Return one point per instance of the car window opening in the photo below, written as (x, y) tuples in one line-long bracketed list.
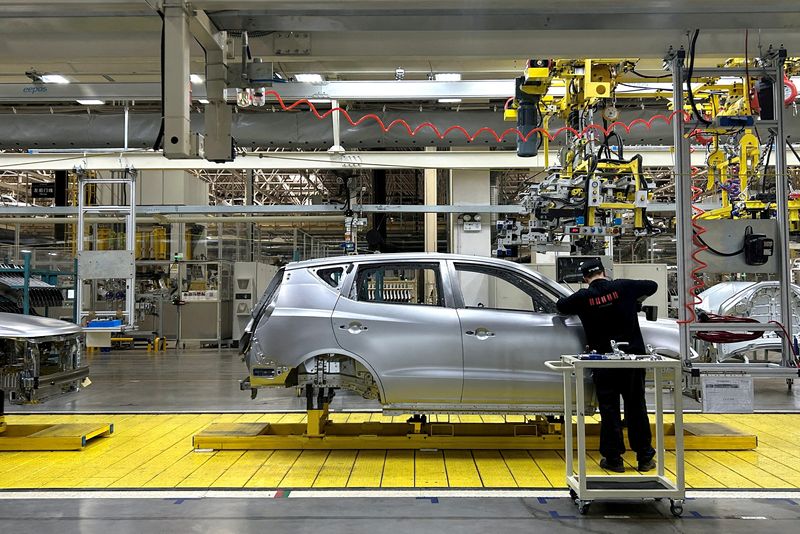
[(418, 284), (498, 289)]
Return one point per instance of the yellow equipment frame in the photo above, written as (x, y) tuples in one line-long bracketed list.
[(319, 432)]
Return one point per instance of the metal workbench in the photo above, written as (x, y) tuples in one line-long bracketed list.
[(585, 488)]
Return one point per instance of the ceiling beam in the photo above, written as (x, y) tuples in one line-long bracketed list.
[(451, 159)]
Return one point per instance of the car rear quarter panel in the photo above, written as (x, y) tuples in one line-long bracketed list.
[(300, 325)]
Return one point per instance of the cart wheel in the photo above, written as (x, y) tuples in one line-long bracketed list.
[(583, 507), (676, 508), (572, 495), (789, 383)]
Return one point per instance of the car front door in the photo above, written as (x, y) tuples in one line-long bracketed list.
[(510, 327), (399, 317)]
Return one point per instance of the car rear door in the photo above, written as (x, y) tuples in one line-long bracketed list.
[(399, 317), (509, 328)]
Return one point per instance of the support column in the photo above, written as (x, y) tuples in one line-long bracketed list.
[(683, 211), (60, 230), (430, 199), (177, 43), (470, 187), (249, 185), (379, 220), (782, 201)]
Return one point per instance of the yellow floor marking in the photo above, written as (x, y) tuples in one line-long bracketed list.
[(470, 418), (175, 474), (149, 450), (461, 469), (273, 470), (717, 470), (210, 471), (552, 465), (398, 471), (237, 475), (770, 466), (305, 470), (429, 470), (336, 469), (290, 418), (493, 469), (524, 470), (367, 469), (359, 417)]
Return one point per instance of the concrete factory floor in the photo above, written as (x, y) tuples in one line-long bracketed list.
[(409, 514), (147, 477)]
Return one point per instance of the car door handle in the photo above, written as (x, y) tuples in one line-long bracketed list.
[(354, 327), (480, 333)]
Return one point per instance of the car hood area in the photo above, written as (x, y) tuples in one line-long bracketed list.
[(28, 327)]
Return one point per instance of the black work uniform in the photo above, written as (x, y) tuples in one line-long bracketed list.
[(608, 311)]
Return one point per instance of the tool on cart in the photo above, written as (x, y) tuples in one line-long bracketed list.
[(584, 488)]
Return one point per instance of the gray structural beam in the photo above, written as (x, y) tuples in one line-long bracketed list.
[(286, 160), (338, 90), (264, 129)]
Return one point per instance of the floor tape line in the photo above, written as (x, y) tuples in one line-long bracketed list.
[(365, 493)]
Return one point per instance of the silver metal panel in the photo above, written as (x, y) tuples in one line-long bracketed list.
[(28, 326), (416, 349), (415, 352), (93, 264)]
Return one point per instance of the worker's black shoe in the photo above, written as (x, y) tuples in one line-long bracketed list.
[(646, 465), (616, 465)]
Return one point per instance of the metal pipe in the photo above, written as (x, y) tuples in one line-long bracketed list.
[(26, 288), (683, 200), (782, 194), (125, 138), (263, 220)]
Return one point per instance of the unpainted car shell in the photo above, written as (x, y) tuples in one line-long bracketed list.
[(24, 340), (757, 300), (419, 358)]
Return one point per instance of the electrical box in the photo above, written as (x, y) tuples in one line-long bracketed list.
[(738, 246)]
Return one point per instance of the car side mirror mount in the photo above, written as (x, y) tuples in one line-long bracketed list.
[(650, 312)]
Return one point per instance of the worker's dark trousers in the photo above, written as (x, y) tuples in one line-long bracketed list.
[(610, 385)]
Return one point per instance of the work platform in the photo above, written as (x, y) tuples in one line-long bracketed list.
[(157, 451), (451, 436), (52, 437)]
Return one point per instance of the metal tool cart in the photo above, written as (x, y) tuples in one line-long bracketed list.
[(584, 489)]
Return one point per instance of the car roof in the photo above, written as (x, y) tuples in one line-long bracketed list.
[(394, 256), (425, 256)]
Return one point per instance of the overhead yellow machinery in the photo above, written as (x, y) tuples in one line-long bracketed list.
[(593, 191)]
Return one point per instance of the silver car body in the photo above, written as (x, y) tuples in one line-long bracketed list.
[(449, 357), (40, 358), (756, 300)]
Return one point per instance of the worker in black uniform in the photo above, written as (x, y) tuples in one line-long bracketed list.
[(608, 311)]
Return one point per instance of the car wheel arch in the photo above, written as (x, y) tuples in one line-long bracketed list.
[(346, 354)]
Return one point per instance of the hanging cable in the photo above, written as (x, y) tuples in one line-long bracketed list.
[(498, 137), (726, 337), (689, 73), (160, 136)]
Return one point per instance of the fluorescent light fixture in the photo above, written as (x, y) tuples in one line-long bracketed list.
[(195, 78), (308, 77), (447, 76), (54, 78), (91, 102), (203, 100), (449, 100)]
